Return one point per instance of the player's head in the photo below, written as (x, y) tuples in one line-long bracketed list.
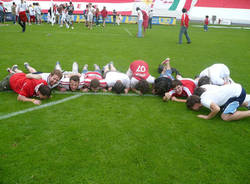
[(74, 82), (54, 77), (142, 86), (207, 16), (198, 91), (94, 85), (118, 87), (44, 92), (137, 8), (184, 10), (177, 86), (194, 102), (163, 86), (204, 80)]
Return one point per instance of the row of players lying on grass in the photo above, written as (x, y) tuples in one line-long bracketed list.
[(138, 80)]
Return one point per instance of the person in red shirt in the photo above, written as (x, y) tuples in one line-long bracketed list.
[(104, 14), (180, 88), (145, 20), (184, 26), (26, 88), (206, 24)]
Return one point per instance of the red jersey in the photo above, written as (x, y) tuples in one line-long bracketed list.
[(139, 69), (104, 13), (206, 21), (24, 86), (188, 89), (94, 75), (184, 20)]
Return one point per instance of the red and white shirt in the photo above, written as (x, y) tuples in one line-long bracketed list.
[(65, 83), (188, 88), (89, 76), (24, 86)]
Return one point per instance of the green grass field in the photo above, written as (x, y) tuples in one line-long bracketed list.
[(101, 139)]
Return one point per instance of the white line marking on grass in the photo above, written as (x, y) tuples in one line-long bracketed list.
[(39, 107), (130, 34), (100, 93)]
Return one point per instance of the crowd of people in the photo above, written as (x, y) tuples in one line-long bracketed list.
[(212, 88)]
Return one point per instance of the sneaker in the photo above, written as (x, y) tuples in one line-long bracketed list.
[(72, 27), (96, 67), (26, 64), (14, 67), (58, 66), (165, 61), (75, 67)]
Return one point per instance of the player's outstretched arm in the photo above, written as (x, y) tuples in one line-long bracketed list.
[(178, 99), (214, 110), (25, 99)]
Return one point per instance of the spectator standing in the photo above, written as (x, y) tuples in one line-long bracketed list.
[(145, 20), (22, 19), (13, 12), (1, 13), (104, 15), (97, 16), (139, 21), (150, 17), (70, 14), (114, 17), (184, 26), (206, 24)]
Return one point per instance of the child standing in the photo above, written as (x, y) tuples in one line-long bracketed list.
[(206, 24)]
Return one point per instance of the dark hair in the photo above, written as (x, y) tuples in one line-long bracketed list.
[(118, 87), (176, 82), (203, 80), (198, 91), (94, 83), (191, 100), (207, 16), (137, 8), (57, 72), (75, 78), (160, 68), (163, 86), (184, 10), (45, 90), (142, 86)]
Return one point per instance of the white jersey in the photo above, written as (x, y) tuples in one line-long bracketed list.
[(22, 7), (219, 74), (45, 76), (140, 16), (31, 10), (134, 81), (38, 10), (112, 77), (219, 94), (65, 83)]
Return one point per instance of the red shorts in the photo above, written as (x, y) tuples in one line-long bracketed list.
[(22, 16)]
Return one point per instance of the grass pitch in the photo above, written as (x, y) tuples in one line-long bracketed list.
[(97, 139)]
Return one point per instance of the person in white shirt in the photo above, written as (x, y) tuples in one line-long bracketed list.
[(117, 82), (90, 15), (52, 78), (226, 98), (38, 13), (150, 17), (72, 80), (219, 74), (32, 14), (21, 11), (140, 20)]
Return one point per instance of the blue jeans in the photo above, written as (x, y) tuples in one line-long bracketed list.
[(139, 34), (168, 74), (85, 71), (183, 31), (205, 27), (150, 23), (14, 18)]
